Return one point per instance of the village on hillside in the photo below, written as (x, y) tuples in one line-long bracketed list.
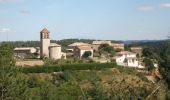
[(84, 50), (101, 51)]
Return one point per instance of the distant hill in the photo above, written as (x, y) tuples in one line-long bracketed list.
[(140, 41)]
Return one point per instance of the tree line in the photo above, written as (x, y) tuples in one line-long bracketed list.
[(63, 42)]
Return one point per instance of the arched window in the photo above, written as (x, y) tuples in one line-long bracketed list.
[(47, 35)]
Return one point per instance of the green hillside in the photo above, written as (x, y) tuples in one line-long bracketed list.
[(105, 84)]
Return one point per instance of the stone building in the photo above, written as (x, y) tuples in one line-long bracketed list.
[(75, 44), (137, 50), (80, 50), (96, 44), (55, 51), (118, 46), (126, 58), (26, 52), (47, 49), (45, 43)]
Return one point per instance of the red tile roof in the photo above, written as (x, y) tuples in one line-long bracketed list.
[(45, 30), (84, 47)]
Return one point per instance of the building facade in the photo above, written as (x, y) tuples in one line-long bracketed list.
[(126, 58), (80, 50), (137, 50), (45, 43), (26, 52), (73, 45), (118, 46), (96, 44), (47, 49)]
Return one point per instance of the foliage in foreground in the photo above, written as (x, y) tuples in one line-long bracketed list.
[(94, 85), (12, 85)]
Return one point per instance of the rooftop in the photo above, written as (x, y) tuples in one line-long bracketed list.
[(125, 52), (45, 30), (24, 48), (117, 44), (134, 48), (101, 42), (84, 47), (79, 44), (54, 45)]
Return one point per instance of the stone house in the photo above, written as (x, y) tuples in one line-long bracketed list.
[(118, 46), (96, 44), (126, 58), (73, 45), (23, 52), (137, 50), (80, 50)]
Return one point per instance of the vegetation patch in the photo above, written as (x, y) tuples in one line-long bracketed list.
[(64, 67)]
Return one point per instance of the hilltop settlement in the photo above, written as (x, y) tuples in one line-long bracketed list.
[(101, 51), (94, 69)]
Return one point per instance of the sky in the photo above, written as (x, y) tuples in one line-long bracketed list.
[(85, 19)]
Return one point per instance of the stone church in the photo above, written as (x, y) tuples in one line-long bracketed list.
[(48, 49)]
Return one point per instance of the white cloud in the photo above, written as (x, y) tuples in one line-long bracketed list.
[(5, 30), (165, 5), (146, 8)]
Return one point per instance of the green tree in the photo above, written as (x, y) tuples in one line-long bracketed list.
[(106, 48), (147, 52), (127, 48), (148, 64), (165, 65), (12, 85), (87, 54), (97, 93)]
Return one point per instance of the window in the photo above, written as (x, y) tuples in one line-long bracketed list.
[(47, 35)]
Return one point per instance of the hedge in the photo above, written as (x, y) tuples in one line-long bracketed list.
[(63, 67)]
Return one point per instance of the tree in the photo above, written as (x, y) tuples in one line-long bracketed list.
[(87, 54), (106, 48), (12, 84), (165, 65), (97, 93), (147, 52), (148, 64), (127, 48)]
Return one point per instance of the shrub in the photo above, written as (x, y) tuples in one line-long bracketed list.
[(63, 67), (87, 54), (32, 82)]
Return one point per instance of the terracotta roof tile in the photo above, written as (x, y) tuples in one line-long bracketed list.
[(84, 47), (45, 30)]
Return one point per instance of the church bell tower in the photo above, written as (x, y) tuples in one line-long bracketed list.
[(45, 43)]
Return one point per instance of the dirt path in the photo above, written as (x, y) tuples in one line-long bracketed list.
[(29, 63)]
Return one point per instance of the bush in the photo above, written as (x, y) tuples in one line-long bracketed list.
[(63, 67), (106, 48), (142, 76), (87, 54), (32, 82)]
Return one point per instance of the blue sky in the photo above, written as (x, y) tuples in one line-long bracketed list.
[(92, 19)]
